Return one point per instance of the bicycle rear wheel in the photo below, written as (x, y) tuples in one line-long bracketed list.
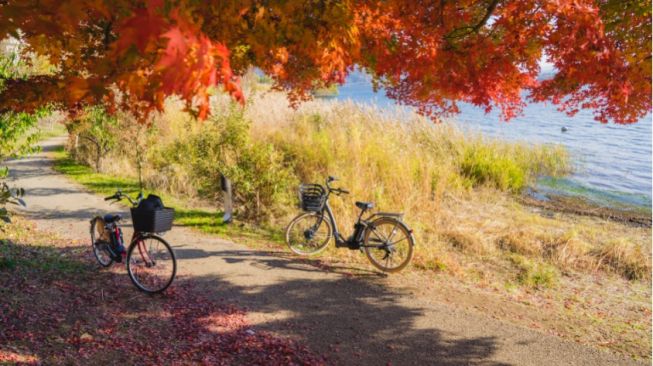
[(151, 264), (308, 233), (100, 247), (388, 244)]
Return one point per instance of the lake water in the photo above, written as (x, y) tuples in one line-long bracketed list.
[(612, 163)]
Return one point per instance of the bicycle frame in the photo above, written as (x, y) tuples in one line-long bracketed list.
[(334, 225), (137, 237), (359, 227)]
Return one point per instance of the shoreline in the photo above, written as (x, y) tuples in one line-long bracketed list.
[(580, 206)]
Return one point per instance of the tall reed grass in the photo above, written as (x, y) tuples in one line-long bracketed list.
[(455, 186)]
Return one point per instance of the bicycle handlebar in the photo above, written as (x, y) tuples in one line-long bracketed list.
[(114, 197), (335, 190), (119, 196)]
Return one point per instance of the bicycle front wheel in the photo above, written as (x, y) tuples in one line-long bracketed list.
[(151, 264), (388, 244), (308, 233)]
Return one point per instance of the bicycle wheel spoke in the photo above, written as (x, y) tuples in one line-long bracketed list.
[(308, 234), (389, 255), (399, 241), (151, 265), (392, 233), (376, 232)]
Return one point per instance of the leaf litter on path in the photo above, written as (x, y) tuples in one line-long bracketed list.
[(51, 315)]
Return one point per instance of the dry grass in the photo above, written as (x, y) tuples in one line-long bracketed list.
[(625, 257)]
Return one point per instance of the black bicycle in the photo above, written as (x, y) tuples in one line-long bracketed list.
[(151, 263), (383, 236)]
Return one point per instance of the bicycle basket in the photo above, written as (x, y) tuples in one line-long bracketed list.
[(152, 221), (312, 197)]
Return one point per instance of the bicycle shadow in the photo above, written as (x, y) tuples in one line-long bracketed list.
[(352, 316), (354, 322), (275, 259)]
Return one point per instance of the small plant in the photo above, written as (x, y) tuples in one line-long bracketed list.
[(9, 196), (534, 274), (7, 262)]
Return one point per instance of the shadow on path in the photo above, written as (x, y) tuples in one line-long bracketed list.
[(354, 322), (276, 259), (356, 319)]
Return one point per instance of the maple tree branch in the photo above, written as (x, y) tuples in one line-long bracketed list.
[(107, 30), (464, 31), (442, 3), (488, 14)]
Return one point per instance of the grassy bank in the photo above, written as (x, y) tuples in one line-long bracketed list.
[(460, 192)]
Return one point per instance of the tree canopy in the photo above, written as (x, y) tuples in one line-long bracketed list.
[(428, 54)]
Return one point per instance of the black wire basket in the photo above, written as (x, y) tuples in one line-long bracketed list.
[(152, 221), (312, 197)]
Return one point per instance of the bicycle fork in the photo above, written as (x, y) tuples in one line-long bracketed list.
[(142, 250)]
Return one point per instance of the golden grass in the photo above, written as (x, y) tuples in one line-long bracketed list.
[(456, 188)]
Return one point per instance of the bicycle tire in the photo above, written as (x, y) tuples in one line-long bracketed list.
[(370, 251), (97, 251), (290, 236), (132, 264)]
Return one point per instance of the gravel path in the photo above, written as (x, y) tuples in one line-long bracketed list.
[(358, 320)]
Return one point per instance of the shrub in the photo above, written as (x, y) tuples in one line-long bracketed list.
[(95, 134), (511, 167), (261, 179), (484, 165)]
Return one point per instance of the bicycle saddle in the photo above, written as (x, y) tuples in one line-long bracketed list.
[(109, 218), (364, 205)]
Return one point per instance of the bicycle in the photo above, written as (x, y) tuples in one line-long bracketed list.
[(309, 233), (150, 261)]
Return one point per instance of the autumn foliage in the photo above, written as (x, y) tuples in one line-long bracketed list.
[(428, 54)]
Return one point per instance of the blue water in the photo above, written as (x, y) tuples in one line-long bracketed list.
[(612, 163)]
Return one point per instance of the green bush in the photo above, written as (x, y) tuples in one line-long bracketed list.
[(18, 133), (95, 133), (260, 177), (484, 165), (510, 167)]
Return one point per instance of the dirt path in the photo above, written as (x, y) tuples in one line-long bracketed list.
[(362, 320)]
